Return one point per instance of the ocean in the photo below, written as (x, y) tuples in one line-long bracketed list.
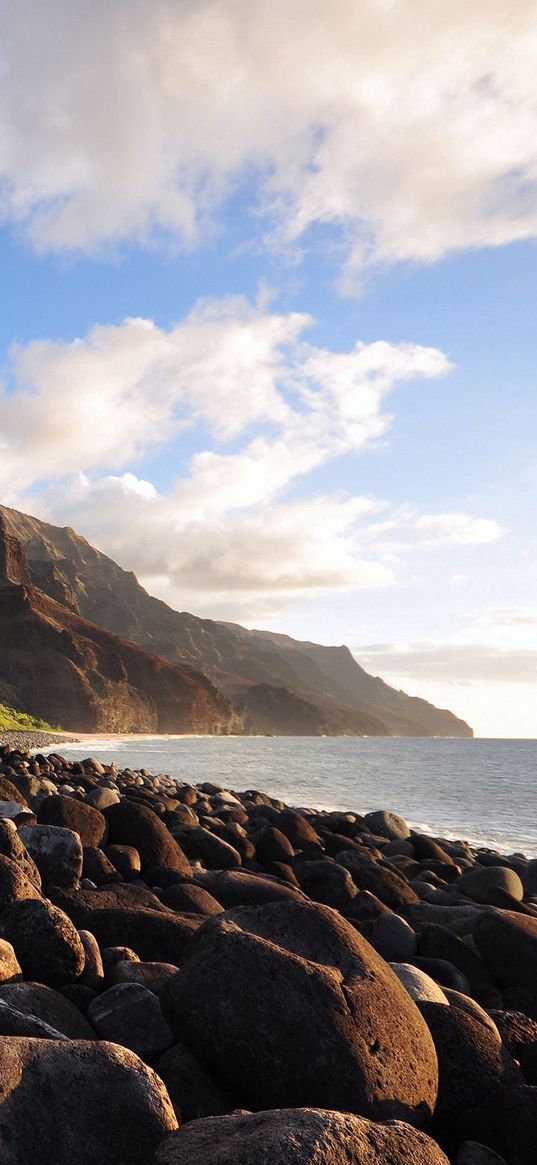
[(482, 790)]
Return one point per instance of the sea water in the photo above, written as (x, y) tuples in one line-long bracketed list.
[(481, 790)]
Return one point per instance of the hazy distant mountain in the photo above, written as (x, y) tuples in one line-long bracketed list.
[(275, 683)]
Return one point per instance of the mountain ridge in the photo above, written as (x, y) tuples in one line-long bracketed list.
[(326, 688)]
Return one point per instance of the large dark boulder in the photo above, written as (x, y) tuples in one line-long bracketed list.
[(49, 1006), (89, 823), (436, 942), (472, 1063), (300, 1136), (155, 936), (240, 888), (190, 899), (137, 826), (129, 1014), (326, 882), (81, 905), (481, 883), (83, 1101), (215, 853), (48, 947), (507, 943), (193, 1091), (289, 1005), (382, 881)]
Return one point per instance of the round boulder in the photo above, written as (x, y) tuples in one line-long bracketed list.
[(79, 1100), (356, 1041), (46, 944), (300, 1136)]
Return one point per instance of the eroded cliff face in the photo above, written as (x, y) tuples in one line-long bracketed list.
[(327, 690), (71, 672)]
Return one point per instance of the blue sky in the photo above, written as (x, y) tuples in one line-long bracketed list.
[(269, 319)]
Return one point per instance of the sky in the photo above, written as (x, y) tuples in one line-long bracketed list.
[(268, 327)]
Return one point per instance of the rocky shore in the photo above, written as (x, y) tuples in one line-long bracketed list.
[(193, 975)]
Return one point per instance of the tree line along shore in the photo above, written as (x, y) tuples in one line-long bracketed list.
[(194, 975)]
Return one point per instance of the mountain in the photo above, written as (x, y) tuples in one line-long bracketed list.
[(275, 683), (69, 671)]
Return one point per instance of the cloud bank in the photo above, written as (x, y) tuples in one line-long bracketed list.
[(408, 126)]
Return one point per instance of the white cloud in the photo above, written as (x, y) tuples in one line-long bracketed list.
[(264, 409), (410, 126), (456, 529)]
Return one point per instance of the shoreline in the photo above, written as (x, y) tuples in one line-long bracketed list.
[(345, 923)]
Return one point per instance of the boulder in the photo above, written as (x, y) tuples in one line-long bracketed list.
[(55, 1100), (11, 846), (385, 883), (15, 886), (240, 888), (9, 965), (129, 1014), (46, 943), (213, 851), (190, 899), (348, 1036), (393, 938), (419, 985), (517, 1030), (154, 936), (470, 1153), (150, 975), (135, 825), (436, 942), (19, 1023), (326, 882), (387, 824), (300, 1136), (49, 1006), (57, 853), (192, 1090), (507, 943), (474, 1009), (481, 882), (78, 816), (98, 867), (505, 1122), (125, 859), (472, 1064)]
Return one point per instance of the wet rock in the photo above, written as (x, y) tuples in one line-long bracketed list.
[(301, 1136), (57, 853), (46, 943), (356, 1041), (57, 1095), (129, 1014)]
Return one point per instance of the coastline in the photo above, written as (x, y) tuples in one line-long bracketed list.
[(345, 923)]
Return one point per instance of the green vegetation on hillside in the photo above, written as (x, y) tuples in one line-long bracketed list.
[(12, 721)]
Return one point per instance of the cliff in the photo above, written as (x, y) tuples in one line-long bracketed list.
[(327, 690), (69, 671)]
